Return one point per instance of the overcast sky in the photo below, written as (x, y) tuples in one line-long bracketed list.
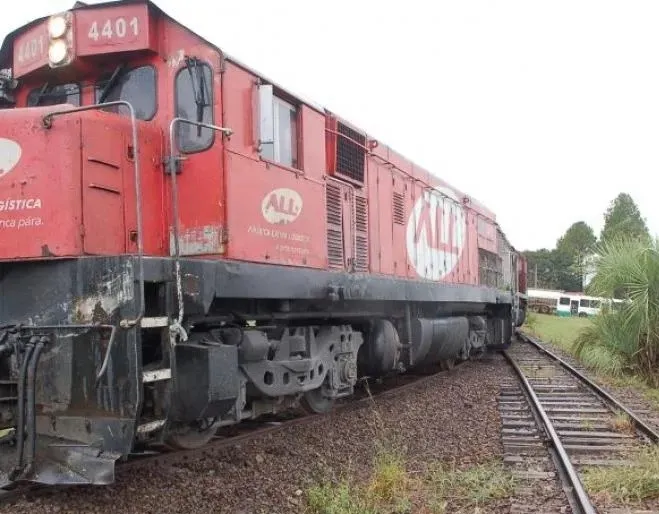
[(543, 111)]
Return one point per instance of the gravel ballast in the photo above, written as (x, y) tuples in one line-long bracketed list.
[(452, 416)]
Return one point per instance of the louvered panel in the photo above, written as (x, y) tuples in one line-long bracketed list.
[(361, 213), (399, 208), (361, 234), (335, 255)]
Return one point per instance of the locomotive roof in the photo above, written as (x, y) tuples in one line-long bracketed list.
[(6, 57)]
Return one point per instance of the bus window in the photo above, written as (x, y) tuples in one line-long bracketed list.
[(564, 300), (584, 303)]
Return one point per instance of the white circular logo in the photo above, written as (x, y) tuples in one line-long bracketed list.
[(281, 206), (10, 154), (436, 233)]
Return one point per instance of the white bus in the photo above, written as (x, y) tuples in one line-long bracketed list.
[(562, 303), (544, 301)]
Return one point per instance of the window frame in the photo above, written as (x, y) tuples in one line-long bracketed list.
[(211, 106), (155, 90), (76, 83), (279, 98)]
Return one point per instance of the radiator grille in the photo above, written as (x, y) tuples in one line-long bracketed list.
[(350, 157), (334, 226), (361, 234), (399, 208)]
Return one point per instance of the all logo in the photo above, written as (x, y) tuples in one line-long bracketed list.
[(281, 206), (10, 154), (436, 233)]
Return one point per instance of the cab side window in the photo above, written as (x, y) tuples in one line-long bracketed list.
[(194, 102), (277, 127), (137, 86), (54, 95)]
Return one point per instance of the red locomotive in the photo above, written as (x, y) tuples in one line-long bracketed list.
[(185, 244)]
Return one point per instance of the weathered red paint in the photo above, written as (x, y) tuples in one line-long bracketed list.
[(233, 204), (123, 28), (79, 200), (31, 50)]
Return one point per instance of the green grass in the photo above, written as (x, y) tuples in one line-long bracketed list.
[(630, 484), (472, 488), (561, 332), (392, 489), (388, 490)]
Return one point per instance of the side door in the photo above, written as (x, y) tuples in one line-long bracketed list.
[(104, 163), (574, 307), (197, 80)]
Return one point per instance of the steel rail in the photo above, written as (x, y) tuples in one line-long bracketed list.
[(582, 500), (641, 426)]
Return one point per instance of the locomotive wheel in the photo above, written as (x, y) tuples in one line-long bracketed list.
[(190, 437), (315, 403), (446, 364)]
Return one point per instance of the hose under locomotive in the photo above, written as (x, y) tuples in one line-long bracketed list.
[(21, 458)]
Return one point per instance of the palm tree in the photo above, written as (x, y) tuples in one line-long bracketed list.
[(625, 339)]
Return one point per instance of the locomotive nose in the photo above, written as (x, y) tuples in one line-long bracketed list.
[(39, 186)]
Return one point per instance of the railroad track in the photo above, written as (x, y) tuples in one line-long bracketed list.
[(240, 433), (556, 421)]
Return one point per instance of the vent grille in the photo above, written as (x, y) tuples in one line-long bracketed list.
[(399, 208), (361, 234), (350, 157), (334, 226), (490, 268)]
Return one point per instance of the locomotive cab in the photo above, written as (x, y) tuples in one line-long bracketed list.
[(87, 105)]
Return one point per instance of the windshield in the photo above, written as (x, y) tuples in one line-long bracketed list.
[(137, 86), (54, 95)]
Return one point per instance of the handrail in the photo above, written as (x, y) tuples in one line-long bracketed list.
[(47, 122), (171, 165)]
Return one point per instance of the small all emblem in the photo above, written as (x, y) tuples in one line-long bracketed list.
[(282, 205), (10, 154)]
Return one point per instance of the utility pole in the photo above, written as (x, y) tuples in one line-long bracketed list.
[(536, 276)]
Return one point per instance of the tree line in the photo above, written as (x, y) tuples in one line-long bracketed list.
[(565, 266)]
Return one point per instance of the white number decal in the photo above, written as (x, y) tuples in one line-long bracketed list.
[(135, 26), (93, 32), (31, 49), (120, 29), (107, 29)]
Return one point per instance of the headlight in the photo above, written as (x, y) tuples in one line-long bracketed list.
[(57, 26), (60, 35), (57, 51)]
